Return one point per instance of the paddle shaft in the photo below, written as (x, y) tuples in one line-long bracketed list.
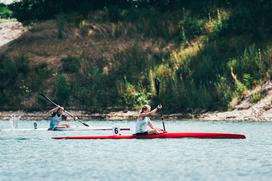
[(70, 114)]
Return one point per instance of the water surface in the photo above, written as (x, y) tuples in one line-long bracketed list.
[(33, 155)]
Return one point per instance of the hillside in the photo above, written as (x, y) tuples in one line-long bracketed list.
[(206, 57)]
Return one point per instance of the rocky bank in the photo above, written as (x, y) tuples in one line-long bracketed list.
[(245, 110)]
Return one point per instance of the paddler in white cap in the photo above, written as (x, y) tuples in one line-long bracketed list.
[(144, 121)]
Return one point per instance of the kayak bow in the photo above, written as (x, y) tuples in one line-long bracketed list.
[(161, 136)]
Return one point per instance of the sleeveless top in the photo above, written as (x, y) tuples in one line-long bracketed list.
[(55, 120), (141, 125)]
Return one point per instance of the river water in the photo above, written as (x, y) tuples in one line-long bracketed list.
[(33, 155)]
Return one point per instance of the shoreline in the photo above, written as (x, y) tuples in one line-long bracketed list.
[(245, 110), (235, 115), (111, 116)]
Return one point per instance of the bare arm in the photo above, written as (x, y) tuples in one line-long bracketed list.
[(70, 118), (151, 113), (54, 109), (151, 125)]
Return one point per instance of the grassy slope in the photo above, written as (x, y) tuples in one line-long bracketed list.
[(196, 54)]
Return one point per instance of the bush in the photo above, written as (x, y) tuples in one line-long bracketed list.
[(61, 22), (256, 97), (40, 75), (71, 64), (134, 98), (41, 102), (269, 72), (62, 90), (251, 66), (8, 72), (22, 64), (193, 26), (5, 12), (224, 91)]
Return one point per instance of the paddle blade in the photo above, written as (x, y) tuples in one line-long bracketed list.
[(157, 86), (85, 124), (163, 126), (43, 95)]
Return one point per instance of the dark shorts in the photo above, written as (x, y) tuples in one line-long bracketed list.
[(53, 129), (141, 134)]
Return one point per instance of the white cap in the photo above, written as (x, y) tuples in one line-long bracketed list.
[(147, 106)]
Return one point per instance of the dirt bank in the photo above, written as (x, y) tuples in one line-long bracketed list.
[(9, 31)]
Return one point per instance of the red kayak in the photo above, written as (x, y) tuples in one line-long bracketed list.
[(162, 136)]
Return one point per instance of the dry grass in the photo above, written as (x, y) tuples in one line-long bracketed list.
[(41, 43)]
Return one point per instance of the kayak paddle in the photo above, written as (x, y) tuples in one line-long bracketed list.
[(70, 114), (157, 88)]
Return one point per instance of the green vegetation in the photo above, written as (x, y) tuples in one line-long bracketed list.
[(62, 90), (206, 53), (5, 12), (70, 64), (7, 72), (256, 97)]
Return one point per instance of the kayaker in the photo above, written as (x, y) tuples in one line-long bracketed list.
[(143, 121), (57, 115)]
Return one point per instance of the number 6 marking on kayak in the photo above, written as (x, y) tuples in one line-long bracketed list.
[(116, 130)]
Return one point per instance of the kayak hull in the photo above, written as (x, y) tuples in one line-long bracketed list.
[(89, 128), (67, 129), (160, 136)]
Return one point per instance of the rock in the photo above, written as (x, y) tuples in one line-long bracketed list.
[(10, 30), (244, 105)]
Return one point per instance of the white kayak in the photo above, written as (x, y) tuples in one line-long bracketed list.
[(14, 127), (79, 128)]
